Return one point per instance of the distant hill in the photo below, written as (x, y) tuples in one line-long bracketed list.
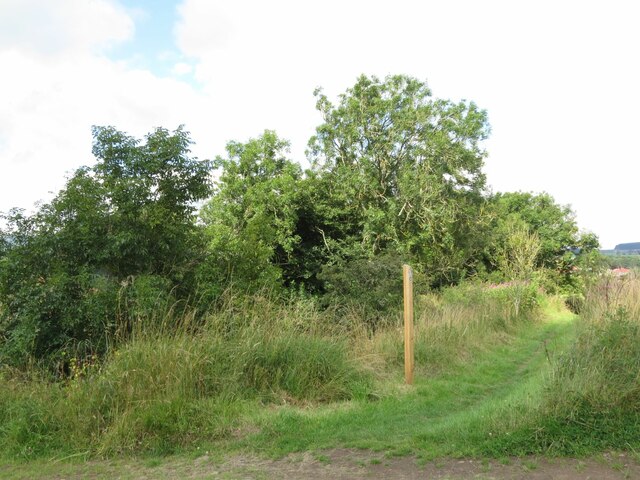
[(628, 246), (623, 249)]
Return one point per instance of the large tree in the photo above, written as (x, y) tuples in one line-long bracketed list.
[(130, 216), (554, 224), (253, 215), (401, 170)]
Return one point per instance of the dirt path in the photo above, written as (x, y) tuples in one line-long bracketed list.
[(348, 464), (353, 464)]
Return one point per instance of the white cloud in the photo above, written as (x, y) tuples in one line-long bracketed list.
[(182, 68), (558, 78), (49, 104), (62, 26)]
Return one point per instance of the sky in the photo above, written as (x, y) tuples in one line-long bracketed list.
[(559, 79)]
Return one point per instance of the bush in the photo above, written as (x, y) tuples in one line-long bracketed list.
[(129, 215), (47, 315), (372, 285), (574, 303), (79, 316)]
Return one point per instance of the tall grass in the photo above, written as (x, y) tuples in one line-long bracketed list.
[(592, 398), (452, 324), (165, 389), (173, 382)]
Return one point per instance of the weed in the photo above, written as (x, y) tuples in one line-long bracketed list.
[(322, 458)]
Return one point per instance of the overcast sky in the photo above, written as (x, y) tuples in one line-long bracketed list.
[(559, 79)]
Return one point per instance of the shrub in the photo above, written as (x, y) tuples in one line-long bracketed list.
[(575, 303), (373, 285)]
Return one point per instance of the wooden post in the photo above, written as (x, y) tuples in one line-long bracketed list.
[(407, 280)]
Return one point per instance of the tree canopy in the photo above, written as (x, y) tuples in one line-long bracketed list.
[(395, 176), (129, 215), (401, 170), (554, 224), (252, 218)]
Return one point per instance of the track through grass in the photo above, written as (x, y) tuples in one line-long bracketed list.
[(455, 413)]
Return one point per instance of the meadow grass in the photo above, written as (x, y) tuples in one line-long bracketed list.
[(453, 324), (164, 390), (274, 379), (454, 412), (591, 400)]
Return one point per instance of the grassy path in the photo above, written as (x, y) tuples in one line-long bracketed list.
[(451, 414)]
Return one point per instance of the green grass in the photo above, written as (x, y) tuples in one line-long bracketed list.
[(163, 392), (591, 402), (273, 379), (454, 412), (171, 389), (451, 414)]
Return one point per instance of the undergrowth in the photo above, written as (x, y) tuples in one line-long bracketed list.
[(172, 384), (162, 390)]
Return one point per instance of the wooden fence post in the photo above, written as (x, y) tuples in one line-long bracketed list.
[(407, 280)]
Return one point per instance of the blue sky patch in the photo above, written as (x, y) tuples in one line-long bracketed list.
[(153, 46)]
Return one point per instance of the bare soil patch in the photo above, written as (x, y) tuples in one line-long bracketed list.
[(343, 464), (355, 464)]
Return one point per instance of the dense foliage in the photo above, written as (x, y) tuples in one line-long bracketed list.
[(401, 171), (554, 224), (118, 239), (396, 176), (622, 261)]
